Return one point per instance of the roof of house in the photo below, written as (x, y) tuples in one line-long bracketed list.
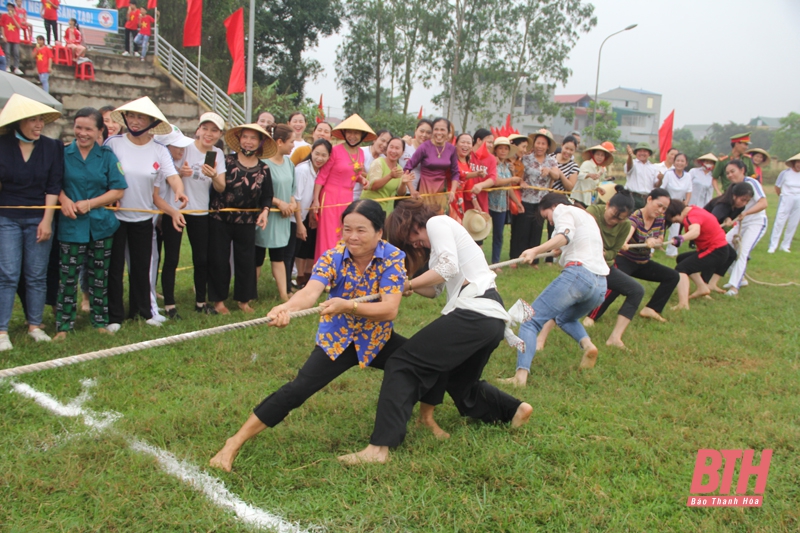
[(772, 122), (569, 98), (640, 91)]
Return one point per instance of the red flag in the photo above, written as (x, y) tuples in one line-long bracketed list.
[(234, 27), (123, 3), (321, 113), (193, 27), (665, 136), (419, 116), (152, 4)]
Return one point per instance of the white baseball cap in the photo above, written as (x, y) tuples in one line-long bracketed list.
[(175, 138), (215, 119)]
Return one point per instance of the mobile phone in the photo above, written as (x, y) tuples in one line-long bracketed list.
[(211, 158)]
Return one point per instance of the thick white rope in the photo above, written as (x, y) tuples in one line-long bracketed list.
[(174, 339)]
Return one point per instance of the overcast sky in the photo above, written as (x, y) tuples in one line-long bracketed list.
[(713, 61)]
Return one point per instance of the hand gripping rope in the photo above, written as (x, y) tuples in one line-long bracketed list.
[(174, 339)]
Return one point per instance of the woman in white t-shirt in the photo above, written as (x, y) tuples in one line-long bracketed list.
[(305, 176), (678, 183), (197, 178), (788, 189), (141, 159), (579, 288)]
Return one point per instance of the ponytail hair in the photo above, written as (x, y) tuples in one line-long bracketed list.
[(622, 201), (280, 132)]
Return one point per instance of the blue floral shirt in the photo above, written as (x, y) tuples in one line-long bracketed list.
[(386, 274)]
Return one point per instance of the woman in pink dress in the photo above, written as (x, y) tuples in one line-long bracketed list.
[(333, 188)]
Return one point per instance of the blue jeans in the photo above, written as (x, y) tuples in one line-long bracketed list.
[(572, 295), (45, 79), (143, 41), (498, 225), (21, 254)]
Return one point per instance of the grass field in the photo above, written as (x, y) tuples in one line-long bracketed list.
[(611, 449)]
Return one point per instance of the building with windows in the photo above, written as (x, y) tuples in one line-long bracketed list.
[(638, 114)]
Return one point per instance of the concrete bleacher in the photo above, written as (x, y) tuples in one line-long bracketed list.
[(118, 80)]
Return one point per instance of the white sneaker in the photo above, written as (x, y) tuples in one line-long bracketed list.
[(727, 286), (159, 318), (771, 251), (113, 328), (18, 72), (5, 342), (39, 335), (788, 251), (125, 53), (744, 283), (732, 292), (152, 322), (136, 54)]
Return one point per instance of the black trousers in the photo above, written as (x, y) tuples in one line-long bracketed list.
[(717, 262), (459, 343), (130, 35), (138, 237), (197, 229), (526, 230), (620, 282), (318, 371), (667, 279), (243, 237), (51, 25)]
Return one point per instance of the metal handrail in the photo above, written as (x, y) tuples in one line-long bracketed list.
[(197, 83)]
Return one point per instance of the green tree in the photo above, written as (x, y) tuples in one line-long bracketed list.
[(684, 141), (786, 142), (606, 128), (721, 135)]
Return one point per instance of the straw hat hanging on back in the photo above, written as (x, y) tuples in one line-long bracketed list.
[(477, 224), (354, 122), (268, 147), (21, 107), (144, 106)]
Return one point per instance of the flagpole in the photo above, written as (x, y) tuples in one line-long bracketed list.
[(199, 53), (248, 97)]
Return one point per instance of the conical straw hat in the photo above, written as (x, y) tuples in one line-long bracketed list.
[(477, 224), (752, 151), (19, 107), (708, 157), (587, 154), (795, 157), (268, 147), (354, 122), (145, 106)]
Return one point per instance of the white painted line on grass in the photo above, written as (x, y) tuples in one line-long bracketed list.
[(213, 488)]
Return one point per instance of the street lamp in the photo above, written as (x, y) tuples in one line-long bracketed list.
[(597, 80)]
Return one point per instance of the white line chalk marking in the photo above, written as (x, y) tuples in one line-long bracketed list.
[(213, 488)]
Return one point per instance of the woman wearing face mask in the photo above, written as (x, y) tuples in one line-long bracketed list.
[(246, 184), (297, 123), (385, 177), (92, 180), (333, 190), (702, 181), (435, 158), (31, 174), (540, 170), (145, 163), (678, 183), (752, 224), (593, 170), (372, 153), (282, 227), (306, 174)]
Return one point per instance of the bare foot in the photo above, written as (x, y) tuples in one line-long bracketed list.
[(245, 307), (588, 322), (498, 270), (540, 344), (516, 381), (535, 267), (699, 294), (85, 305), (589, 358), (60, 336), (616, 342), (680, 307), (431, 424), (225, 457), (650, 313), (524, 412), (714, 288), (220, 308), (370, 454), (104, 331), (513, 267)]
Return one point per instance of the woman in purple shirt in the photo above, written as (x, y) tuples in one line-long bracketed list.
[(438, 161)]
